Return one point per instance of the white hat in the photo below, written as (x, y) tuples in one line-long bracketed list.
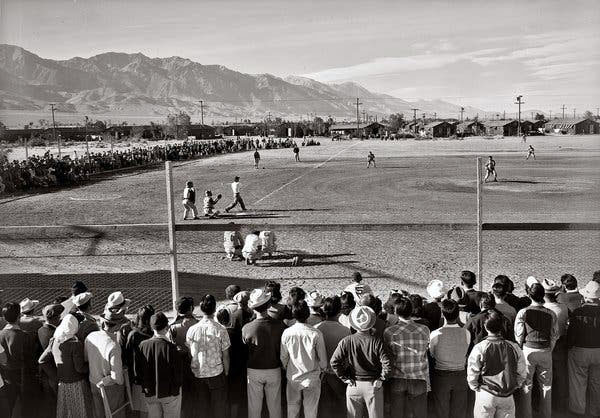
[(591, 290), (117, 300), (242, 296), (362, 318), (314, 299), (550, 286), (435, 289), (28, 305), (531, 281), (258, 297), (67, 329), (82, 298)]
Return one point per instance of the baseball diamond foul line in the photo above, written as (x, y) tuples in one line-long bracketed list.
[(304, 174)]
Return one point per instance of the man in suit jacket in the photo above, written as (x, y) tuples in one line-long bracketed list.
[(159, 370), (12, 341), (468, 281)]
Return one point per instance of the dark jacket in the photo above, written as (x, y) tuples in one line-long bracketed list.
[(584, 327), (45, 333), (536, 327), (134, 339), (12, 341), (478, 332), (473, 299), (70, 361), (158, 368), (361, 357), (433, 313)]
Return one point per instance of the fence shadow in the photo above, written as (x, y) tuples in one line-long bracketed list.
[(153, 287)]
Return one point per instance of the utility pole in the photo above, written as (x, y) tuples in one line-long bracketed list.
[(504, 115), (358, 103), (550, 115), (202, 112), (434, 115), (87, 145), (574, 113), (598, 112), (54, 130), (462, 111), (563, 109), (415, 118), (519, 102)]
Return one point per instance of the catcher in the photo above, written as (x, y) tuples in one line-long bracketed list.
[(209, 204)]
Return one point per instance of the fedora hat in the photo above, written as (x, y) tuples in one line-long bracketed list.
[(550, 286), (82, 298), (116, 300), (591, 290), (258, 297), (314, 299), (242, 296), (112, 315), (457, 294), (531, 280), (28, 305), (362, 318), (435, 289)]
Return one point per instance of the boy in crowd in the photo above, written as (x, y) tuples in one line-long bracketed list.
[(496, 369)]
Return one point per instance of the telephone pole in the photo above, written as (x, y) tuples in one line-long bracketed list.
[(87, 145), (202, 112), (563, 109), (574, 113), (550, 116), (434, 115), (519, 102), (462, 111), (358, 103), (415, 118), (54, 129)]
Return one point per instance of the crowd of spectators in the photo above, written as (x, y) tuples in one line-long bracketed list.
[(458, 353), (49, 170)]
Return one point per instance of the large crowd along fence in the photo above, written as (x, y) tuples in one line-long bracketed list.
[(157, 262)]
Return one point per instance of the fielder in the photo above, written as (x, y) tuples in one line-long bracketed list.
[(256, 158), (371, 160), (530, 152), (209, 204), (296, 153), (237, 197), (490, 168), (233, 243), (189, 201)]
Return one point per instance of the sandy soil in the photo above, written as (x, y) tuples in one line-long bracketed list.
[(415, 181)]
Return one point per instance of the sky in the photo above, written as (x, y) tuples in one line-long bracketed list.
[(473, 53)]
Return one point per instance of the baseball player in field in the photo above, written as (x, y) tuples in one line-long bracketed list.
[(490, 168), (209, 204), (237, 197), (530, 152), (189, 201)]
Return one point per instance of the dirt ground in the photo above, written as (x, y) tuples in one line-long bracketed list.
[(414, 182)]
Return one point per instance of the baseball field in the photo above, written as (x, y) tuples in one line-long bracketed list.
[(414, 182)]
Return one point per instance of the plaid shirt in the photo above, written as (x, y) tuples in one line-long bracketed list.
[(407, 342)]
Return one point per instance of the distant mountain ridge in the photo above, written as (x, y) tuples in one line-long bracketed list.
[(120, 83)]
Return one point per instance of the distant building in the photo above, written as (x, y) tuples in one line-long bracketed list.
[(470, 128), (366, 129), (440, 129), (573, 126), (201, 131), (526, 126), (501, 127)]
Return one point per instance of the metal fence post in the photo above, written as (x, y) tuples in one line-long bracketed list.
[(172, 241), (479, 230)]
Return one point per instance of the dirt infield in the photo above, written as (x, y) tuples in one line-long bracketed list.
[(415, 181)]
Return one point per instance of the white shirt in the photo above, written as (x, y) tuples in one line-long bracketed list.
[(251, 244), (235, 187), (358, 290), (104, 357), (303, 353), (207, 340)]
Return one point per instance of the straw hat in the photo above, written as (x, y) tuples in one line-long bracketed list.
[(550, 286), (591, 290), (435, 289), (362, 318), (314, 299), (258, 297), (28, 305), (82, 298)]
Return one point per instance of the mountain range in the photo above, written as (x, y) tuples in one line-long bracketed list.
[(133, 84)]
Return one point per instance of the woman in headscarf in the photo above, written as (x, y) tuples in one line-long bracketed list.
[(141, 332), (74, 396)]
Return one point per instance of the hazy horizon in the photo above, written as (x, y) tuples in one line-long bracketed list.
[(469, 53)]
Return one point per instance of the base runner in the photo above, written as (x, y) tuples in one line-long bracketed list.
[(530, 152), (490, 168)]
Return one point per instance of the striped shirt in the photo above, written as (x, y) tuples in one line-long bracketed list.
[(407, 342)]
